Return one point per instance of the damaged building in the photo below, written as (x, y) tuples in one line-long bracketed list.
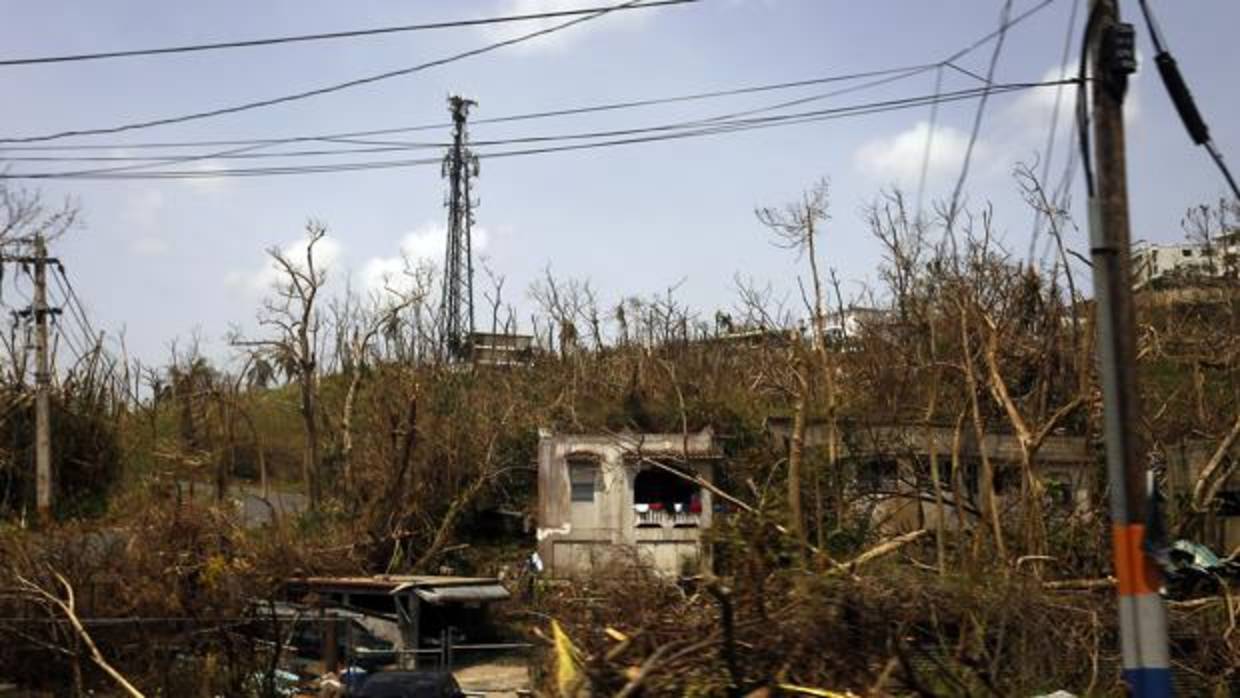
[(889, 467), (417, 614), (604, 497)]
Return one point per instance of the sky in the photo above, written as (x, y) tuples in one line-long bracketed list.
[(160, 260)]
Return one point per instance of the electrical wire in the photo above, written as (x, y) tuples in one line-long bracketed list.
[(352, 136), (1048, 154), (60, 304), (925, 155), (643, 135), (571, 111), (270, 41), (1182, 98), (74, 304), (75, 351), (979, 114), (1082, 98), (336, 87), (15, 144)]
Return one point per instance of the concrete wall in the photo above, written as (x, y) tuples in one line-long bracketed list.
[(576, 537), (1066, 459)]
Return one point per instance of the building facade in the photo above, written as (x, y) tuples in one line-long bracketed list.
[(1152, 263), (608, 498)]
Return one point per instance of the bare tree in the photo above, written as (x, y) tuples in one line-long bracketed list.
[(357, 330), (293, 319), (796, 227)]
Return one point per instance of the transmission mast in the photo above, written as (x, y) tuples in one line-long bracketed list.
[(460, 166)]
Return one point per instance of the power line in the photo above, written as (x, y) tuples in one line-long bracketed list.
[(887, 76), (925, 156), (75, 304), (643, 135), (978, 115), (69, 339), (1054, 128), (571, 111), (70, 343), (247, 43), (15, 144), (1082, 98), (397, 146), (246, 106), (1182, 98)]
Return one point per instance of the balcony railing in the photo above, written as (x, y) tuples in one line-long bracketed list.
[(662, 518)]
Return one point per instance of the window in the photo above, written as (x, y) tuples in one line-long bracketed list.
[(1229, 503), (582, 476), (1186, 252), (661, 497)]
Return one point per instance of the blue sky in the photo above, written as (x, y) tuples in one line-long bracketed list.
[(162, 259)]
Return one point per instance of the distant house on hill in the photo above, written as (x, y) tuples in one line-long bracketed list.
[(1152, 264), (609, 497)]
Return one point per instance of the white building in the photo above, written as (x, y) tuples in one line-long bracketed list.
[(1190, 260)]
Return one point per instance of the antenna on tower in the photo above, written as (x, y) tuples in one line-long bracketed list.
[(460, 166)]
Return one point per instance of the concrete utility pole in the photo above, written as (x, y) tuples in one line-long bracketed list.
[(42, 387), (459, 166), (39, 312), (1142, 617)]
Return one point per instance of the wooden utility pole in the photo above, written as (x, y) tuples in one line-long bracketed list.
[(1143, 623)]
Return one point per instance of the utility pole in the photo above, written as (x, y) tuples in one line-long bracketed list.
[(460, 165), (42, 387), (39, 312), (1142, 617)]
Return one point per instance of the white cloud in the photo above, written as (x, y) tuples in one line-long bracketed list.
[(205, 183), (1014, 130), (898, 159), (426, 244), (620, 19), (327, 252)]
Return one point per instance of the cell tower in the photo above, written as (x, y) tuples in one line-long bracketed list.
[(460, 166)]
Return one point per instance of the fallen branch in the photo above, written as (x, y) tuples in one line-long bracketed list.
[(885, 548), (66, 607), (1209, 481), (1080, 584), (648, 666)]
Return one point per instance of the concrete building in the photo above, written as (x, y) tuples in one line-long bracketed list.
[(609, 497), (1152, 263), (889, 465)]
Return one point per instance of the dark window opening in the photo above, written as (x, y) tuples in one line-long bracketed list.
[(1007, 479), (878, 475), (656, 489), (1059, 491), (1229, 503)]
